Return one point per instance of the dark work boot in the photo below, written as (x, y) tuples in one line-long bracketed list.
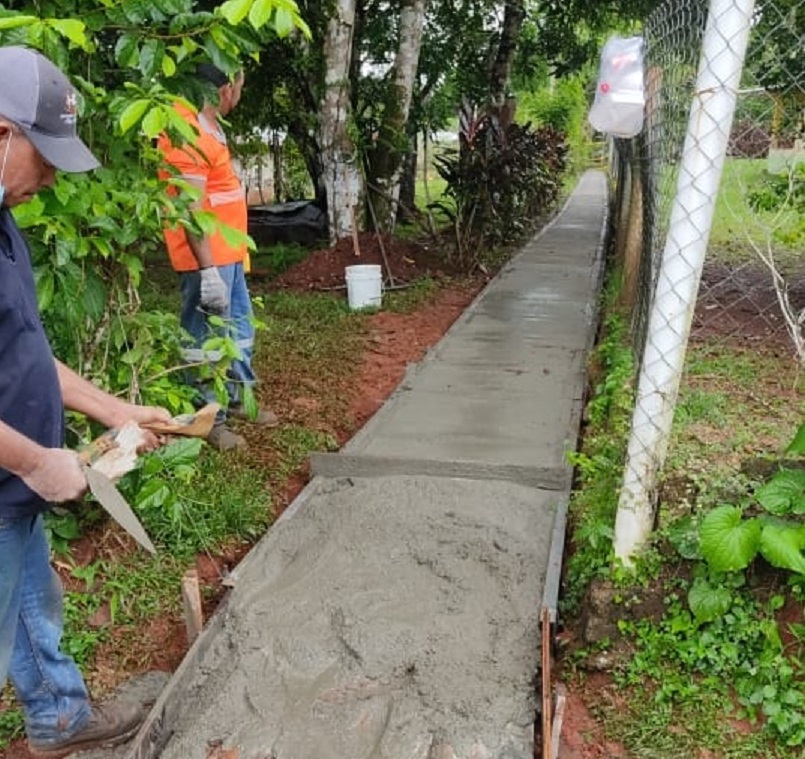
[(264, 417), (108, 725), (223, 439)]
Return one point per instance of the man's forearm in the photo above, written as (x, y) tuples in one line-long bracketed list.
[(201, 250), (18, 453), (81, 395)]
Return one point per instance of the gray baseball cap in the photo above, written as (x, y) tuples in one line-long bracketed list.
[(39, 98)]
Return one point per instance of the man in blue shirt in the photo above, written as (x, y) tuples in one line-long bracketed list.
[(37, 138)]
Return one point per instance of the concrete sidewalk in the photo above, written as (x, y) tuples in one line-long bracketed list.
[(393, 610)]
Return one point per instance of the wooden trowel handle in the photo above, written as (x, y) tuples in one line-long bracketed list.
[(187, 425)]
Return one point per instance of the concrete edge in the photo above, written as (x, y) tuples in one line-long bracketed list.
[(553, 575), (358, 465)]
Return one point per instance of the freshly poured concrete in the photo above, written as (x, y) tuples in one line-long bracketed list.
[(393, 611)]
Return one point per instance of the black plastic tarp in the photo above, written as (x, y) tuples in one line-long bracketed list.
[(299, 221)]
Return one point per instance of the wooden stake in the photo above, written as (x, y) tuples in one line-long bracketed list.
[(546, 682), (556, 731), (356, 245), (193, 614)]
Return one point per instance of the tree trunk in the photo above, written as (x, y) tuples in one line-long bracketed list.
[(500, 70), (341, 178), (406, 210), (386, 158)]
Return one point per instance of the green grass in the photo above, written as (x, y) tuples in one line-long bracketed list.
[(276, 259), (738, 228)]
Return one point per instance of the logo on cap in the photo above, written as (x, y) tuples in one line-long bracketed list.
[(69, 114)]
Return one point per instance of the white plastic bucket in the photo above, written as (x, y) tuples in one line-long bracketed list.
[(364, 286)]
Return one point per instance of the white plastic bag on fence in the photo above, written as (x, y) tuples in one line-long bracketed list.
[(619, 96)]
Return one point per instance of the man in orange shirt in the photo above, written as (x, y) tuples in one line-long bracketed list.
[(212, 272)]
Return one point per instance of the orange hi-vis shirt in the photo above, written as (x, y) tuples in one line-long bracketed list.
[(207, 161)]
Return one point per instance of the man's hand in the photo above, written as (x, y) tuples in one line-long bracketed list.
[(144, 415), (57, 476), (214, 295)]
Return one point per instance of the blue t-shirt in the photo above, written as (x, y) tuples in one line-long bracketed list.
[(30, 394)]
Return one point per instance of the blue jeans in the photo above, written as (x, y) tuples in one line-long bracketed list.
[(239, 327), (47, 682)]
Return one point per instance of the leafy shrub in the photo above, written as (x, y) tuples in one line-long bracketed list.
[(783, 195), (562, 106), (729, 537), (498, 182)]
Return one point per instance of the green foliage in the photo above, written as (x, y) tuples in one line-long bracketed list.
[(732, 647), (497, 183), (278, 258), (12, 725), (784, 195), (186, 507), (599, 464), (562, 105), (770, 524), (91, 233)]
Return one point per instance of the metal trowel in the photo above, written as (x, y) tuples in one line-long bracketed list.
[(107, 493), (116, 505)]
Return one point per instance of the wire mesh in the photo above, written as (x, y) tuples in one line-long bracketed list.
[(752, 287), (718, 262)]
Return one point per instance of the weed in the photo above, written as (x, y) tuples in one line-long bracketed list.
[(411, 297), (278, 258), (12, 722), (735, 658), (599, 465), (187, 506)]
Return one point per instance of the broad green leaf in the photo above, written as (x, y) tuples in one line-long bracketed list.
[(132, 114), (184, 451), (260, 12), (154, 493), (168, 66), (784, 493), (94, 300), (133, 356), (127, 51), (234, 11), (782, 546), (235, 238), (30, 213), (708, 602), (45, 288), (283, 22), (154, 122), (797, 445), (177, 123), (73, 29), (727, 541), (151, 55), (13, 22)]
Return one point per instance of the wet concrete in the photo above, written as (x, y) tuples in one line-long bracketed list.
[(393, 610)]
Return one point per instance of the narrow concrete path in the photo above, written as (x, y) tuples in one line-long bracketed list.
[(393, 611)]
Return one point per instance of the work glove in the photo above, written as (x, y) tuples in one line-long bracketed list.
[(57, 476), (214, 295)]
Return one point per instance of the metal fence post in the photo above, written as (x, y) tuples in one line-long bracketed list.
[(710, 120)]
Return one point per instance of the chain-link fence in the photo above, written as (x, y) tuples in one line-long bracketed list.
[(710, 212)]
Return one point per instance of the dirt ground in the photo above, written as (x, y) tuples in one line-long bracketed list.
[(394, 340)]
